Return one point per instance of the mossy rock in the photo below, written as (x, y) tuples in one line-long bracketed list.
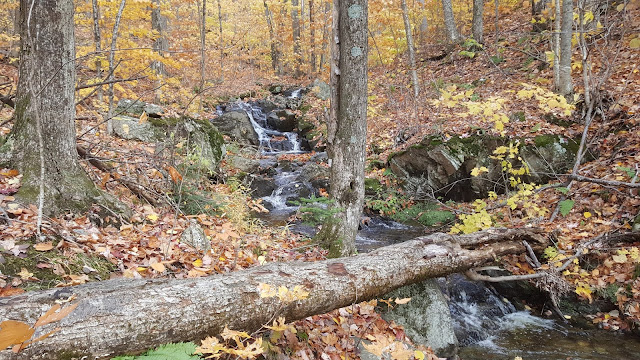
[(372, 186), (444, 166)]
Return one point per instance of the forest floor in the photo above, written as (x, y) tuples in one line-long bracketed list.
[(75, 250)]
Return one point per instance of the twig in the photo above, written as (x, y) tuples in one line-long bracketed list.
[(86, 86)]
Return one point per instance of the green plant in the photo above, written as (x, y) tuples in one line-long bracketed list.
[(179, 351), (425, 213), (388, 202)]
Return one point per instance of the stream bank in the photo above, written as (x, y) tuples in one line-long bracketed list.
[(485, 325)]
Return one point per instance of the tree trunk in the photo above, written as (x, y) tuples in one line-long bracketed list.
[(412, 55), (325, 35), (555, 44), (312, 38), (347, 125), (449, 21), (295, 26), (43, 139), (112, 53), (537, 8), (128, 316), (477, 25), (98, 42), (159, 23), (275, 53), (203, 44), (221, 41), (566, 49)]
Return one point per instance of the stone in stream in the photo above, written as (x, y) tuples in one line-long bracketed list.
[(283, 120), (426, 318)]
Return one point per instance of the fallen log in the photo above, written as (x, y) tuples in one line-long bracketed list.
[(127, 316)]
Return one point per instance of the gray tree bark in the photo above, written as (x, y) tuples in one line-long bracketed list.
[(312, 38), (128, 316), (347, 125), (325, 35), (295, 26), (275, 53), (449, 21), (477, 25), (565, 83), (43, 139), (412, 54), (98, 42), (112, 53), (160, 24)]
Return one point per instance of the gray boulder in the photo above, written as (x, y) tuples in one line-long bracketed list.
[(195, 237), (444, 167), (321, 89), (237, 125), (131, 128), (137, 107), (426, 318)]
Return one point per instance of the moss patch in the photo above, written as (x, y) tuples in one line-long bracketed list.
[(42, 263), (426, 214)]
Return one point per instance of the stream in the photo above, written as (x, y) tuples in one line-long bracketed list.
[(487, 326)]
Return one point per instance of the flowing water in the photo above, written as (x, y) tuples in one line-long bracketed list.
[(487, 326)]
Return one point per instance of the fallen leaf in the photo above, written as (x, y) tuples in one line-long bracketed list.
[(45, 246), (25, 274), (14, 332), (158, 267)]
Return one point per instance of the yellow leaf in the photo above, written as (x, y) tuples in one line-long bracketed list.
[(197, 263), (419, 355), (152, 217), (635, 43), (586, 214), (143, 118), (46, 246), (25, 274), (159, 267), (14, 332), (402, 301), (620, 259)]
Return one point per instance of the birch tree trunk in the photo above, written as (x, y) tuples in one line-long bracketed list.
[(43, 139), (477, 25), (449, 21), (565, 83), (128, 316), (412, 55), (203, 44), (347, 125), (221, 41)]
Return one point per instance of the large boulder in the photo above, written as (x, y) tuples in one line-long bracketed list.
[(237, 125), (426, 318), (444, 167), (283, 120), (131, 128)]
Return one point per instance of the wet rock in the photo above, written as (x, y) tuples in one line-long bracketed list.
[(282, 120), (261, 186), (276, 89), (444, 167), (131, 128), (426, 318), (237, 126), (244, 164)]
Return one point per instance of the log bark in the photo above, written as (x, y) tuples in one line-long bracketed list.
[(128, 316)]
